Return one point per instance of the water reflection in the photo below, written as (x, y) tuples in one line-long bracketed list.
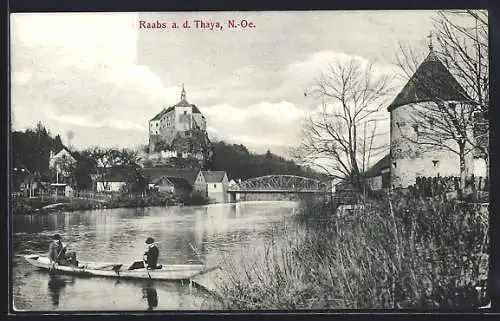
[(56, 285), (118, 235), (150, 294)]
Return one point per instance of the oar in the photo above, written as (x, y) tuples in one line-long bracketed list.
[(145, 265), (196, 252)]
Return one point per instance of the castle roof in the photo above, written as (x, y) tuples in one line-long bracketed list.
[(431, 81), (182, 103)]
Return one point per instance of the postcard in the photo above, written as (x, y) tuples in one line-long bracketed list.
[(249, 160)]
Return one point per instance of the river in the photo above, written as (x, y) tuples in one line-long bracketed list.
[(216, 232)]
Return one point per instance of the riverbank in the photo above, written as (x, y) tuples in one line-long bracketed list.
[(389, 253), (23, 205)]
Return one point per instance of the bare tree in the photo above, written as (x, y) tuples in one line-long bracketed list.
[(341, 138), (463, 45), (462, 48)]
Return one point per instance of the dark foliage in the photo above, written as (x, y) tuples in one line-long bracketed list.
[(239, 162)]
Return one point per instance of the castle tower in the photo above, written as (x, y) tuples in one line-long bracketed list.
[(183, 93), (175, 120), (432, 82)]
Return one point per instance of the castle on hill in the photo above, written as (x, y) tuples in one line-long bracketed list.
[(177, 121)]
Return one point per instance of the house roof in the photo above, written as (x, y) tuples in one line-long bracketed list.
[(431, 81), (117, 174), (153, 174), (180, 183), (162, 180), (376, 169), (75, 155), (214, 176)]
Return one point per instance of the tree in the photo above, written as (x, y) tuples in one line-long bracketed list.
[(64, 168), (32, 147), (136, 182), (81, 173), (102, 160), (462, 47), (341, 138)]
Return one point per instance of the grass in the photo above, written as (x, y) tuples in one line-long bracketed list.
[(404, 253)]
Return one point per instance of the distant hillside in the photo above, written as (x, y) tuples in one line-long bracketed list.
[(238, 162)]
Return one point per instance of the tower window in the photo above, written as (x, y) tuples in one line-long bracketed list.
[(452, 106), (435, 162), (185, 112), (394, 163)]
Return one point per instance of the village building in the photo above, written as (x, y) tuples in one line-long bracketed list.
[(61, 162), (113, 179), (217, 186), (379, 175), (178, 119), (432, 82), (162, 185), (178, 181)]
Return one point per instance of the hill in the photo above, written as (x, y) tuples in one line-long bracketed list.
[(238, 162)]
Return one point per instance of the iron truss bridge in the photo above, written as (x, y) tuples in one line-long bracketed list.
[(280, 184)]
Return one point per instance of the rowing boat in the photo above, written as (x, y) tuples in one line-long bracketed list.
[(117, 270)]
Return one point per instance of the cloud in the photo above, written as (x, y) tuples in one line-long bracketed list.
[(79, 70), (98, 75), (262, 126)]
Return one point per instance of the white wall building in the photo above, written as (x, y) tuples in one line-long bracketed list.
[(179, 118), (217, 186), (430, 83)]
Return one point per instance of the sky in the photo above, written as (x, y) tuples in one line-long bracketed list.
[(103, 77)]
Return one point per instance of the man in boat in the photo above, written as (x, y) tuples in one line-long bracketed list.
[(151, 255), (58, 254)]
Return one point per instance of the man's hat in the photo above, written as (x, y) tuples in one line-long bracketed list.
[(150, 240), (56, 237)]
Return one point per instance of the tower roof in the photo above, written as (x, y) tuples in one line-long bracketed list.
[(182, 103), (431, 81)]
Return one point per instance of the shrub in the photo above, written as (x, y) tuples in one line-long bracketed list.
[(195, 198), (399, 253)]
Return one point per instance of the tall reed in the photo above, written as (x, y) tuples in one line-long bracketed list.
[(389, 253)]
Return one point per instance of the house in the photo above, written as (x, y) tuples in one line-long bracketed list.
[(113, 179), (61, 161), (431, 83), (183, 180), (379, 175), (217, 186), (163, 185)]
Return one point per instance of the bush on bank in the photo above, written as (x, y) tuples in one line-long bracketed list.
[(21, 205), (401, 253), (195, 198)]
